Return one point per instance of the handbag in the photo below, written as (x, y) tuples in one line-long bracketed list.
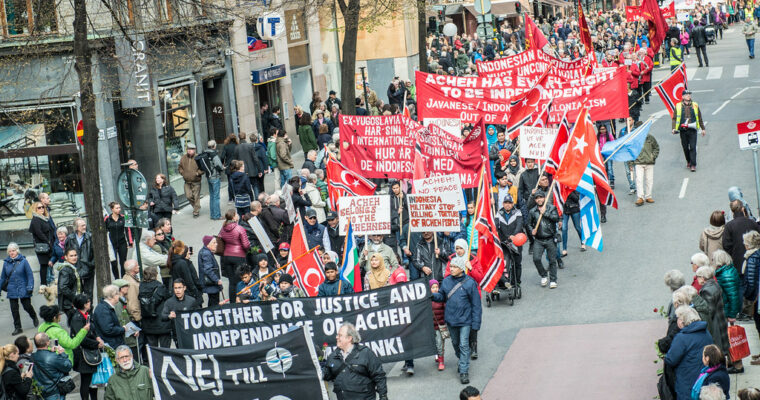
[(92, 356), (242, 201), (42, 248), (738, 346), (219, 246), (64, 384), (104, 372)]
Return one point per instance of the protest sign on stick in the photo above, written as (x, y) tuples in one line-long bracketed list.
[(433, 213), (536, 142), (442, 184), (369, 215)]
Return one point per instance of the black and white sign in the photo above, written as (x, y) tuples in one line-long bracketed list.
[(396, 322), (284, 367)]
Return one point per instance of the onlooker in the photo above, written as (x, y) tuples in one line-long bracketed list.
[(236, 246), (25, 349), (81, 241), (50, 365), (43, 235), (180, 266), (246, 153), (228, 154), (120, 237), (59, 246), (209, 273), (162, 198), (52, 328), (132, 278), (178, 302), (88, 351), (285, 165), (711, 238), (105, 319), (153, 295), (241, 187), (685, 353), (714, 371), (69, 284), (131, 340), (16, 385), (365, 378), (733, 234), (17, 280), (151, 257), (190, 172), (214, 181), (131, 381), (469, 393)]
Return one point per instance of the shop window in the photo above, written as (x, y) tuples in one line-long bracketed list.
[(299, 56), (23, 17), (255, 42), (178, 130)]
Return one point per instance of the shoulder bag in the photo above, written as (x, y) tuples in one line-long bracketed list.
[(64, 384), (42, 248), (7, 281)]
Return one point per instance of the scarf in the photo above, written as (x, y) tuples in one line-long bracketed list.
[(514, 169), (41, 216), (378, 277)]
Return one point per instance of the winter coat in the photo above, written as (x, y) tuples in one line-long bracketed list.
[(439, 312), (18, 274), (711, 239), (246, 152), (509, 224), (106, 324), (228, 153), (189, 170), (69, 285), (751, 276), (69, 343), (41, 230), (155, 325), (241, 184), (284, 160), (330, 288), (649, 152), (208, 267), (300, 202), (698, 36), (164, 199), (548, 226), (317, 204), (152, 258), (14, 387), (48, 368), (716, 322), (463, 307), (700, 305), (78, 321), (685, 355), (173, 304), (117, 232), (528, 180), (184, 269), (307, 135), (730, 284), (363, 379), (572, 204), (133, 302), (84, 265), (733, 241), (315, 234), (719, 376), (424, 256), (135, 384), (236, 242), (276, 223)]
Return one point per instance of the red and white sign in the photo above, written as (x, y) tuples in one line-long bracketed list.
[(532, 63), (369, 215), (441, 184), (748, 134), (536, 143), (433, 213)]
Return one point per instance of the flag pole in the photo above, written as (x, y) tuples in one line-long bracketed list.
[(654, 86), (629, 137), (343, 262), (480, 187)]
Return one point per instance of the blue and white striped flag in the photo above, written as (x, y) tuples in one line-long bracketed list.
[(591, 227)]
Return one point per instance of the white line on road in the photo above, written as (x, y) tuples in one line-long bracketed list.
[(703, 91), (714, 73), (738, 93), (690, 73), (721, 107), (741, 71), (682, 193)]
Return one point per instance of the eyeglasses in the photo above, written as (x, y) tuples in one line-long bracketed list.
[(40, 207)]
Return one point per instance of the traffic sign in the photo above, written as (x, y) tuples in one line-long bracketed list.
[(482, 6), (132, 188), (748, 134), (80, 132), (485, 30)]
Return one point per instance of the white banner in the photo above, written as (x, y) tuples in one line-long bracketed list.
[(258, 229), (451, 185), (287, 193), (536, 142), (433, 213), (369, 215)]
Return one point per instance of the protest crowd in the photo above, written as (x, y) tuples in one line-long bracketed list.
[(351, 221)]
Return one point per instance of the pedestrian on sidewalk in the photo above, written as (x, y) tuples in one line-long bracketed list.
[(120, 238), (214, 180), (285, 165), (749, 30), (17, 280), (687, 120), (81, 241), (90, 344), (711, 239), (43, 235), (236, 246), (228, 154), (190, 172), (153, 294), (162, 199), (644, 166), (50, 365)]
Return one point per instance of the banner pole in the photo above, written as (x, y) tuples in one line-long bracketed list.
[(472, 235), (274, 257)]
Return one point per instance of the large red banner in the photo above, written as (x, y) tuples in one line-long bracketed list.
[(532, 63), (632, 13), (383, 147), (472, 98)]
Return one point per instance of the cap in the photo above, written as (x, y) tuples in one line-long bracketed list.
[(311, 213), (508, 199), (284, 246), (207, 239), (120, 283), (191, 145), (286, 278), (332, 215), (540, 193), (331, 265), (685, 92)]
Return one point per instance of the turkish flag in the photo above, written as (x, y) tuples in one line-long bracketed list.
[(308, 270), (671, 88), (555, 156), (580, 148), (342, 181)]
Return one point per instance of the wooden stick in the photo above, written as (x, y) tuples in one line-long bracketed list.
[(274, 257), (278, 269)]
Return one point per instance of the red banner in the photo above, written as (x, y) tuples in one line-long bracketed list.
[(383, 147), (472, 98), (632, 13), (532, 63)]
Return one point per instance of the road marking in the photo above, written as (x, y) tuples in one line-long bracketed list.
[(741, 71), (721, 107), (682, 193), (738, 93), (714, 73), (703, 91), (660, 114), (690, 73)]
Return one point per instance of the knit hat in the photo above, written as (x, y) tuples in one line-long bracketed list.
[(120, 283), (459, 262), (460, 243), (433, 282), (286, 278), (207, 239)]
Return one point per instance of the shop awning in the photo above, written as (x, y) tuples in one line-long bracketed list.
[(558, 3), (453, 10), (504, 7)]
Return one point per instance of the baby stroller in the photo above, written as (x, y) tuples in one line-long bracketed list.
[(710, 34), (507, 286)]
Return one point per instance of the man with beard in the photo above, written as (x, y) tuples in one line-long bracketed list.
[(332, 235), (131, 381)]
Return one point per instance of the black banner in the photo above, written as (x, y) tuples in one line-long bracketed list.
[(285, 367), (396, 322)]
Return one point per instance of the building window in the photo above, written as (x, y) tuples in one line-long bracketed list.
[(185, 10), (254, 40), (23, 17)]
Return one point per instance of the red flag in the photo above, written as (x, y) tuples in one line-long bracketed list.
[(580, 148), (342, 181), (671, 88), (420, 167), (601, 181), (523, 108), (308, 270), (490, 255), (585, 34), (535, 39), (558, 149), (658, 27)]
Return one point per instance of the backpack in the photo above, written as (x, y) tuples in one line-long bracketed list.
[(149, 301), (204, 162), (272, 154)]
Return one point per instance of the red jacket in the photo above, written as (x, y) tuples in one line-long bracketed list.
[(439, 310), (235, 239), (645, 66), (633, 76), (609, 64)]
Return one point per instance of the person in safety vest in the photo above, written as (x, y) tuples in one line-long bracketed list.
[(687, 121), (676, 54)]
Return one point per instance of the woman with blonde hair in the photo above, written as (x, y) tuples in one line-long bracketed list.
[(42, 229), (16, 385), (378, 275)]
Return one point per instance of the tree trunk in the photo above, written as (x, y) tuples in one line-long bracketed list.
[(348, 64), (422, 34), (89, 155)]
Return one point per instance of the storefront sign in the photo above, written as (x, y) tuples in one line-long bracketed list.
[(442, 184), (269, 74), (270, 26), (369, 215), (284, 367), (134, 77), (434, 212), (536, 143), (295, 24), (396, 322)]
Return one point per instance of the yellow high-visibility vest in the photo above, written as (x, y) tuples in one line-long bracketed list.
[(695, 108)]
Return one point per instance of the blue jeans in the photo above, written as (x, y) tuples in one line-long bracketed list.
[(285, 175), (460, 339), (576, 223), (629, 175), (610, 172), (751, 45), (214, 185)]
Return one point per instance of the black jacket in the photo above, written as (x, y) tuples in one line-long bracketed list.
[(84, 265), (300, 202), (41, 231), (424, 256), (733, 242), (528, 180), (509, 224), (276, 223), (165, 199), (154, 325), (548, 227), (572, 204), (228, 153), (67, 287), (90, 343), (308, 164), (362, 378), (698, 36), (336, 240), (119, 234), (14, 387), (241, 184), (184, 268), (246, 152)]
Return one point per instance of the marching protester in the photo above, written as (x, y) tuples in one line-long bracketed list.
[(542, 223), (178, 302), (687, 120), (131, 380), (644, 166), (333, 284)]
